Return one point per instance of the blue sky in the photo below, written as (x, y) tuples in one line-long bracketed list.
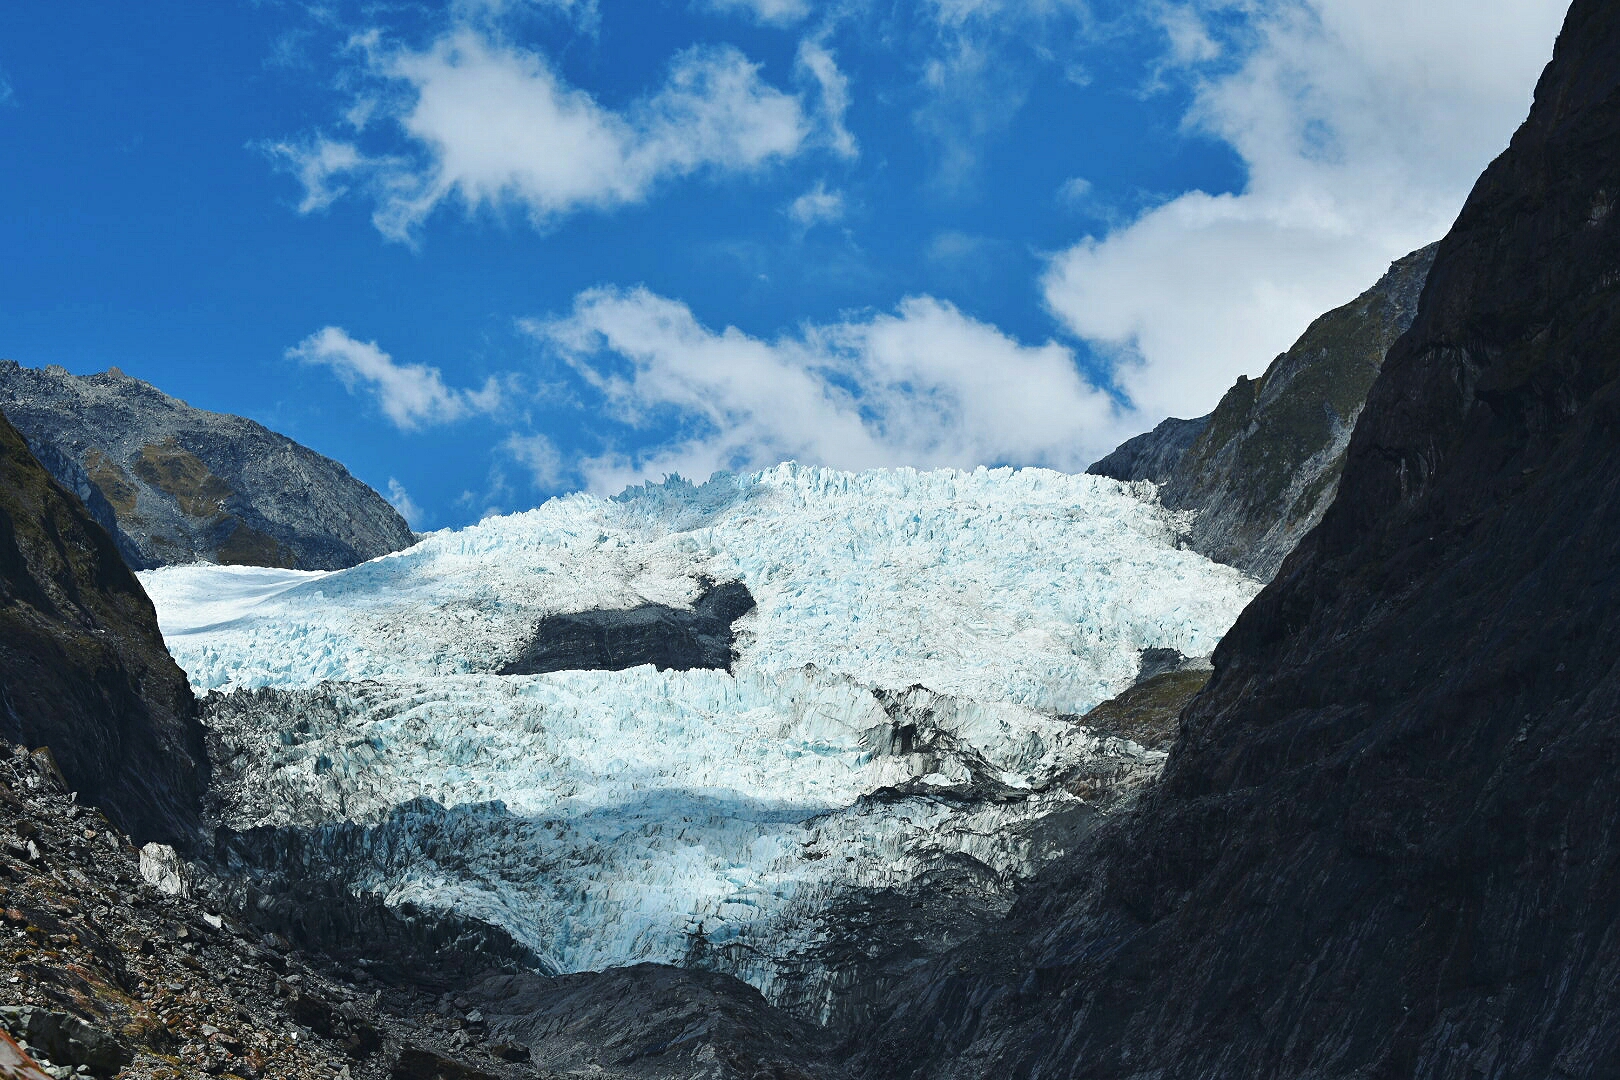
[(487, 251)]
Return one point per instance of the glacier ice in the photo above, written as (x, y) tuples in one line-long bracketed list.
[(603, 817)]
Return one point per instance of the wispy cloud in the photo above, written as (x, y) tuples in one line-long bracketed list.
[(412, 396), (817, 206), (925, 385), (769, 12), (1362, 123), (319, 166), (539, 457), (816, 61), (408, 508)]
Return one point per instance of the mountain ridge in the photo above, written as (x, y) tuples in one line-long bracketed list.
[(1261, 469), (176, 484), (1383, 844)]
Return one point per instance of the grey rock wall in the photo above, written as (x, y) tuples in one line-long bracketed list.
[(174, 484)]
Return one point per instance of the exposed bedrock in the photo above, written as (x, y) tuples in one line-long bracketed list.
[(176, 484), (83, 669), (1385, 842), (669, 638), (1260, 470), (653, 1021)]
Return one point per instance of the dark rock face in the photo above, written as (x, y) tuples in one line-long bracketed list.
[(652, 1021), (176, 484), (1267, 465), (669, 638), (1264, 466), (285, 881), (1385, 844), (1152, 455), (83, 668)]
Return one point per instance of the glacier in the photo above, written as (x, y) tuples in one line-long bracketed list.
[(904, 693)]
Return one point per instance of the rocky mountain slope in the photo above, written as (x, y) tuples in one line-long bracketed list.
[(114, 963), (83, 669), (176, 484), (1152, 455), (1263, 467), (1385, 843)]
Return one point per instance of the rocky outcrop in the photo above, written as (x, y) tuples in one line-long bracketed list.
[(669, 638), (1263, 467), (1152, 455), (652, 1021), (110, 974), (83, 669), (176, 484), (1385, 843)]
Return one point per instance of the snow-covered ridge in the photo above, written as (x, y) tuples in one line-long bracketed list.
[(602, 817)]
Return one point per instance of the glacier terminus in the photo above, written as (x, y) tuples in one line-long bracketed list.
[(900, 725)]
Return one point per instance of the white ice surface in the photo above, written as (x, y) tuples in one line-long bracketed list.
[(1029, 586), (600, 816)]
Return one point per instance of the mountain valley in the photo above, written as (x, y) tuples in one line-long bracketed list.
[(1281, 745)]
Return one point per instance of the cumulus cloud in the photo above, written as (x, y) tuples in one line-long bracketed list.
[(816, 206), (925, 385), (412, 396), (1363, 124), (493, 125)]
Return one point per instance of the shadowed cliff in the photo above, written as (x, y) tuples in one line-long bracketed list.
[(1387, 841), (83, 669)]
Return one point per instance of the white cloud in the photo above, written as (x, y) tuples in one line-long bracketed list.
[(539, 456), (401, 500), (816, 206), (1363, 124), (769, 12), (412, 396), (925, 386), (493, 125), (1074, 191), (820, 64), (318, 164)]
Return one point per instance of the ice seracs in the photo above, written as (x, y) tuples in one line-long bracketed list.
[(602, 817)]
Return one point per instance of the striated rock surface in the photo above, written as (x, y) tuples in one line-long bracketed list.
[(1152, 455), (1267, 464), (176, 484), (83, 669), (1262, 468), (1385, 842)]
